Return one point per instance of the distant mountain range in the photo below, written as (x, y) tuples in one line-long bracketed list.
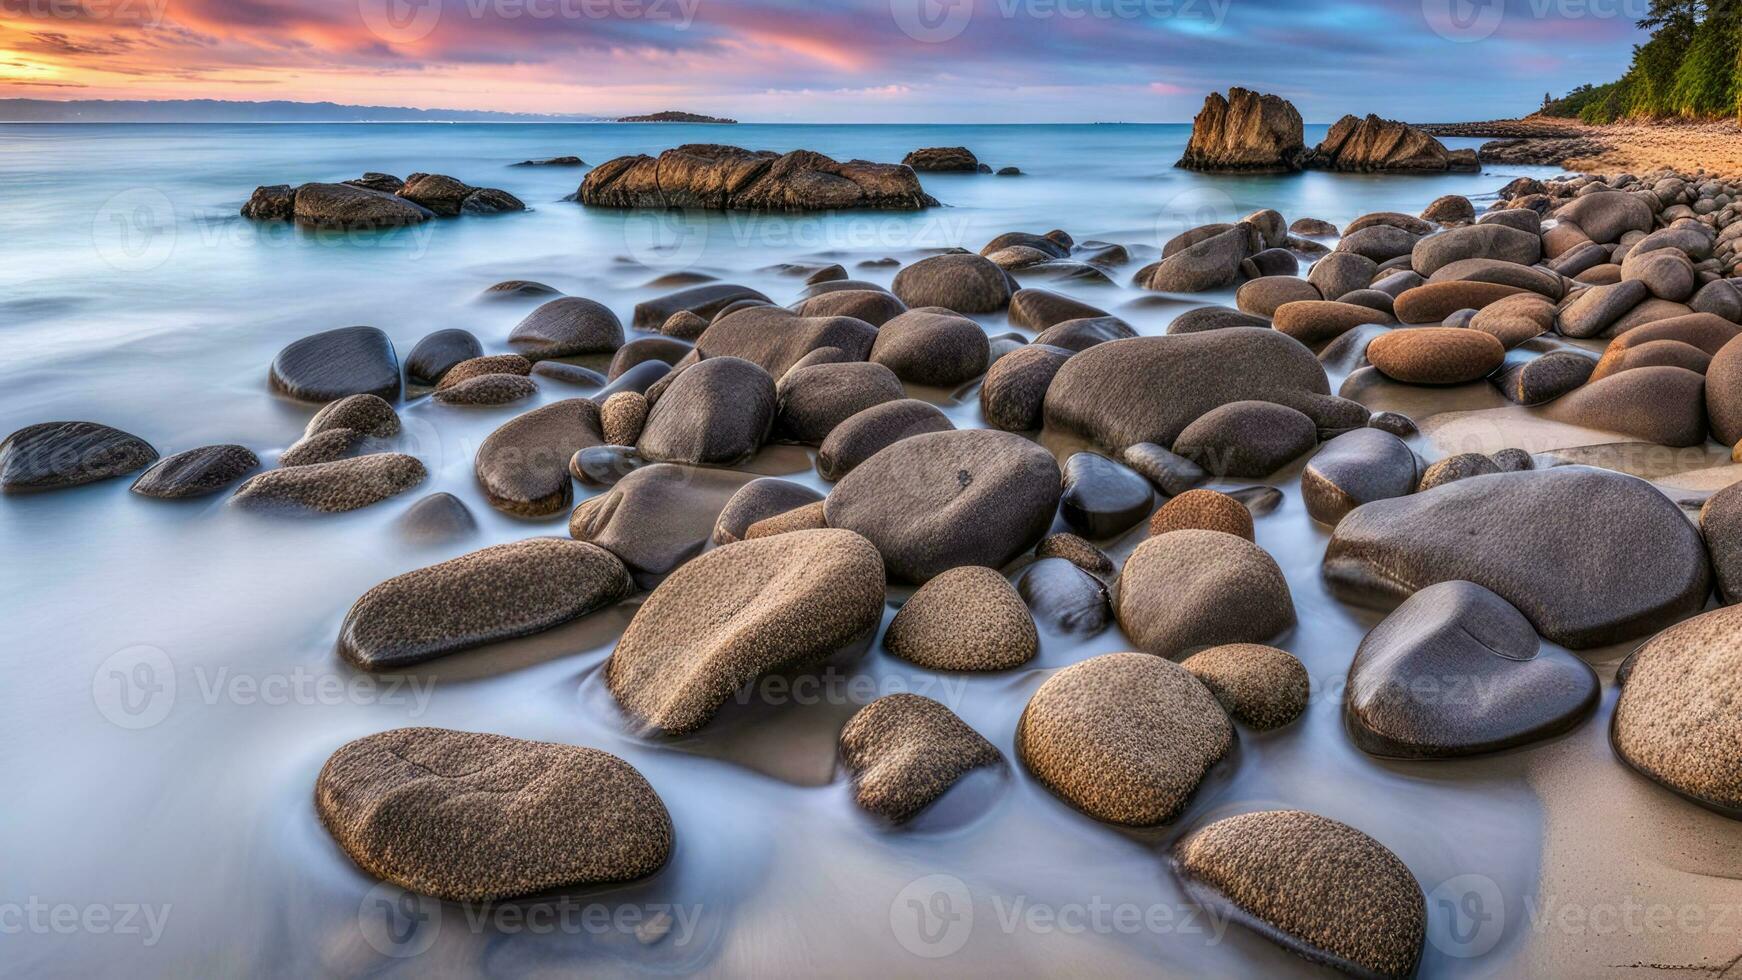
[(221, 111)]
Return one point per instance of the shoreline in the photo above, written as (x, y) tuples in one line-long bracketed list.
[(1712, 148)]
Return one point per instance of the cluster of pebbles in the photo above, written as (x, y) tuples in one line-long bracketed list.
[(1493, 567)]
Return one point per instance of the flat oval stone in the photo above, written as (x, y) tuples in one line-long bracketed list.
[(523, 465), (1251, 439), (967, 618), (488, 390), (567, 327), (1124, 737), (436, 353), (1319, 888), (493, 594), (738, 612), (868, 432), (57, 455), (657, 517), (1357, 468), (1192, 588), (1436, 355), (471, 817), (196, 472), (327, 366), (1456, 670), (1103, 498), (332, 488), (935, 501), (1623, 563), (717, 412), (904, 751), (1676, 719)]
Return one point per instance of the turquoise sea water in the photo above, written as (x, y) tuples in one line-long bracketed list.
[(134, 295)]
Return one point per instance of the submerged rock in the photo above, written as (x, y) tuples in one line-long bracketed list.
[(1103, 498), (699, 175), (331, 488), (903, 751), (496, 593), (656, 518), (436, 518), (194, 473), (57, 455), (327, 366), (470, 817), (523, 465)]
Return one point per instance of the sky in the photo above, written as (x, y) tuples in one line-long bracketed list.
[(992, 61)]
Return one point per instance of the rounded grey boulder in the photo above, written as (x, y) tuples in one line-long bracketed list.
[(1195, 588), (57, 455)]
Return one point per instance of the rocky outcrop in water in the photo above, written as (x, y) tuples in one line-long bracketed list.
[(1245, 131), (728, 178), (376, 201)]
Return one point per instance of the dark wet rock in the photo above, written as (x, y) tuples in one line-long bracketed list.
[(1607, 217), (1341, 273), (497, 593), (1245, 131), (377, 181), (643, 349), (1401, 426), (1261, 686), (1203, 510), (1721, 525), (439, 517), (368, 414), (1063, 598), (603, 466), (271, 202), (1437, 301), (649, 378), (491, 200), (1148, 389), (323, 447), (523, 465), (1356, 468), (1451, 209), (1539, 379), (573, 374), (966, 618), (963, 282), (1348, 352), (1372, 144), (932, 346), (942, 159), (514, 289), (436, 353), (867, 432), (1082, 334), (330, 365), (1212, 263), (471, 817), (562, 161), (1247, 438), (1318, 322), (1124, 737), (1514, 534), (717, 412), (704, 300), (735, 613), (1436, 355), (1037, 309), (348, 207), (757, 501), (874, 306), (622, 416), (1258, 500), (1515, 319), (1675, 721), (1194, 588), (1488, 241), (1101, 497), (936, 501), (1013, 395), (1664, 405), (1724, 393), (567, 327), (776, 338), (1317, 227), (1316, 887), (714, 177), (492, 389), (656, 518), (813, 400), (1264, 295), (1206, 318), (1169, 471), (1454, 468), (437, 192), (57, 455), (194, 473), (331, 488), (1456, 670), (1076, 550), (903, 751)]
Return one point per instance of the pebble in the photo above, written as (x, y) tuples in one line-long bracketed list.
[(656, 518), (567, 327), (1357, 468), (1436, 355), (332, 488), (1103, 498), (441, 350), (868, 432), (1063, 598), (327, 366), (1676, 719), (756, 501), (523, 465), (715, 413), (1206, 510), (1247, 439)]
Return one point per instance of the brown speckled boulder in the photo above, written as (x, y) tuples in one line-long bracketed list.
[(1676, 719), (493, 594), (1665, 405), (1317, 887), (1247, 439), (1262, 686), (735, 613), (1202, 509), (812, 400), (1013, 393), (806, 518), (368, 414), (967, 618), (1076, 550), (331, 488), (487, 390), (963, 282), (484, 366), (471, 817), (868, 432), (1187, 589), (904, 751), (1123, 737), (932, 346), (1721, 526), (524, 465), (622, 416), (1435, 355)]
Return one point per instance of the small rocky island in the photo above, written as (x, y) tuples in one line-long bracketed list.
[(1253, 133), (674, 116), (376, 200), (730, 178)]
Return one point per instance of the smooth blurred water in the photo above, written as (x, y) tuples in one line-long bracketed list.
[(134, 295)]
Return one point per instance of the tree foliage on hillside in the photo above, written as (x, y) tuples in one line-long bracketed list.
[(1691, 68)]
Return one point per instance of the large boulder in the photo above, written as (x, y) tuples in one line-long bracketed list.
[(1357, 468), (942, 159), (935, 501), (1250, 439), (1245, 131), (1013, 393), (1676, 718), (329, 365), (57, 455), (1386, 145), (932, 346), (1664, 404), (715, 413), (1605, 217), (776, 338), (713, 177), (738, 612), (959, 281), (1724, 393), (656, 518), (1620, 564), (867, 433), (524, 465), (1484, 241), (348, 207), (1213, 262), (470, 817), (706, 300), (1148, 389), (496, 593), (567, 327), (815, 398), (1187, 589)]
